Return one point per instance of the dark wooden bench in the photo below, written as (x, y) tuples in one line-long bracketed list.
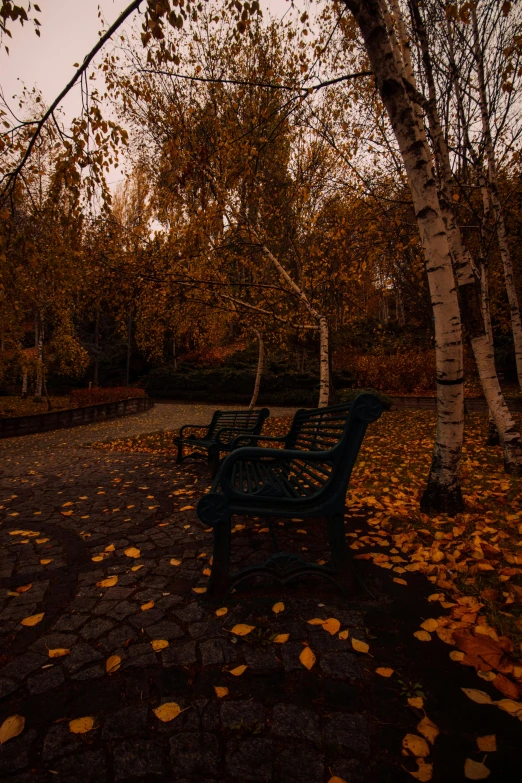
[(220, 433), (307, 477)]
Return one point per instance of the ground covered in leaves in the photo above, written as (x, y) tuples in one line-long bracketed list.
[(116, 666)]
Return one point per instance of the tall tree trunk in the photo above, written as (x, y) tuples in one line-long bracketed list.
[(129, 333), (24, 384), (505, 254), (96, 348), (443, 491), (259, 371), (38, 344)]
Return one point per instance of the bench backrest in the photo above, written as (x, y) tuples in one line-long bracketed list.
[(318, 429), (250, 420)]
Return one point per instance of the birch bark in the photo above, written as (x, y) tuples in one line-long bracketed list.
[(259, 371), (443, 492), (467, 274), (505, 254)]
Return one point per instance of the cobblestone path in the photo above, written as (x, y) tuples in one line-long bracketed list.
[(69, 513)]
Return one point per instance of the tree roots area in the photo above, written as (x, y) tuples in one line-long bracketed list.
[(116, 666)]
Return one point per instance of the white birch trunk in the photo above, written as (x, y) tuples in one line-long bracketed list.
[(38, 334), (443, 492), (467, 278), (259, 371), (505, 254)]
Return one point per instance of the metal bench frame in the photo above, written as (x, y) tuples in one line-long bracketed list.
[(220, 433), (306, 478)]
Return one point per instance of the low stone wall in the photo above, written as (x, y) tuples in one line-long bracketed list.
[(72, 417), (471, 404)]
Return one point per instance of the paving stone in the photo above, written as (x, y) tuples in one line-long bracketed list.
[(49, 678), (205, 629), (250, 759), (119, 636), (59, 741), (80, 655), (14, 755), (179, 654), (140, 655), (23, 665), (137, 759), (340, 666), (143, 619), (216, 651), (261, 659), (242, 714), (91, 673), (191, 613), (7, 686), (96, 628), (52, 641), (194, 753), (164, 630), (344, 732), (120, 611), (302, 766), (125, 723), (88, 767), (288, 720), (289, 655), (351, 770), (70, 622)]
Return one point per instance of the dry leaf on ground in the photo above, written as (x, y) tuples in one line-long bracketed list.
[(109, 582), (241, 629), (316, 621), (220, 691), (81, 725), (480, 697), (132, 552), (11, 727), (475, 770), (307, 658), (416, 701), (221, 612), (238, 671), (430, 624), (416, 745), (360, 646), (331, 625), (344, 634), (384, 671), (428, 729), (281, 638), (34, 619), (59, 652), (278, 607), (424, 772), (422, 636), (167, 712), (488, 743), (199, 590), (159, 644), (147, 606), (175, 562), (112, 664)]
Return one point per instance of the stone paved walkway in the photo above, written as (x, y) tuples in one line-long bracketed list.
[(69, 513)]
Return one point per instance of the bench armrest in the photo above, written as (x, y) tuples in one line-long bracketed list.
[(253, 440), (222, 440), (193, 427)]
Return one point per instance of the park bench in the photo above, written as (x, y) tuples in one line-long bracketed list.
[(307, 477), (219, 434)]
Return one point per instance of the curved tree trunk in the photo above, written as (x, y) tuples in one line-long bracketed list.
[(324, 364), (443, 491), (259, 372)]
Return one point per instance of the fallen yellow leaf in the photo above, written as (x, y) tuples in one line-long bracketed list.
[(278, 607), (457, 655), (167, 712), (59, 652), (11, 727), (136, 567), (475, 770), (360, 646), (23, 588), (109, 582), (147, 606), (281, 638), (430, 624), (110, 548), (422, 636), (336, 779), (307, 658), (331, 625), (132, 552), (34, 619), (220, 691), (384, 671), (480, 697), (416, 701), (112, 664), (416, 745), (242, 630), (175, 561), (199, 590), (222, 611), (238, 671), (97, 558), (315, 621), (344, 634), (488, 743), (508, 705), (81, 725), (424, 771), (159, 644), (400, 582), (187, 508), (428, 729), (46, 561), (206, 572)]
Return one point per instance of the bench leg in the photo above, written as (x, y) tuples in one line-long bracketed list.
[(213, 461), (179, 458), (218, 582)]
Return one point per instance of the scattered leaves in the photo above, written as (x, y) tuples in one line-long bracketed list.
[(220, 691), (241, 629), (475, 770), (488, 743), (480, 697), (307, 658), (132, 552), (281, 638), (278, 607), (238, 671), (221, 612), (416, 745), (159, 644), (109, 582), (359, 646), (112, 664), (81, 725), (422, 636), (59, 652), (11, 727), (34, 619), (331, 625), (428, 729), (384, 671), (147, 606), (167, 712)]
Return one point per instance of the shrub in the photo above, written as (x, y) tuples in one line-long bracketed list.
[(347, 395), (402, 372), (81, 397)]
